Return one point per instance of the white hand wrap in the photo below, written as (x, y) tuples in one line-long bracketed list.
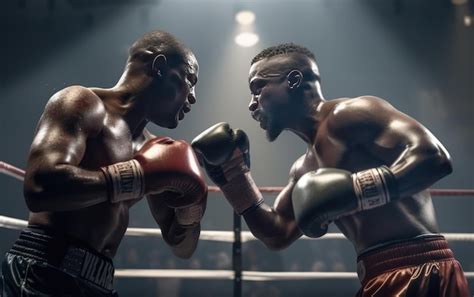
[(371, 188), (240, 190), (125, 180)]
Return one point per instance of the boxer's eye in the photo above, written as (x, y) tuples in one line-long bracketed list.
[(256, 87)]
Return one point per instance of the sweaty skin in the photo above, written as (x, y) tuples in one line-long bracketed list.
[(83, 129), (352, 134)]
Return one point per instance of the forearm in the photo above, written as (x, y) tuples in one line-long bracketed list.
[(418, 168), (63, 188), (274, 230)]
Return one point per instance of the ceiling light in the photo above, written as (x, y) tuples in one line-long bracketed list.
[(246, 39), (245, 17)]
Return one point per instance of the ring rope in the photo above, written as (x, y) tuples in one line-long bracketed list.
[(220, 236), (246, 275), (19, 174), (434, 192)]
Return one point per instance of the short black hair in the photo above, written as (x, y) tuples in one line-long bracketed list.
[(284, 48), (159, 42)]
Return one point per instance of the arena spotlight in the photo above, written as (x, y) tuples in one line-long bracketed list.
[(246, 39), (467, 21), (459, 2), (245, 17)]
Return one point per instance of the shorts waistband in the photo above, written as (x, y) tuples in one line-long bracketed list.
[(59, 252), (411, 252)]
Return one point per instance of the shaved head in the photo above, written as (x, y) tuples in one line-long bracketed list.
[(159, 42)]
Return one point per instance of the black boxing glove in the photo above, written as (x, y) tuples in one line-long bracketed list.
[(224, 153), (327, 194)]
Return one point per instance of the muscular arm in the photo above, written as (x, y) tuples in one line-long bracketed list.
[(275, 226), (53, 180), (414, 155), (183, 241)]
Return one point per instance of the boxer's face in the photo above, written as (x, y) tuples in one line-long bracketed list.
[(270, 98), (176, 94)]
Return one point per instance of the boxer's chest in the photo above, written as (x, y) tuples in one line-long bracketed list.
[(335, 153), (308, 162), (114, 144)]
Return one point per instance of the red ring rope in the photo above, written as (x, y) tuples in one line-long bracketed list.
[(19, 174)]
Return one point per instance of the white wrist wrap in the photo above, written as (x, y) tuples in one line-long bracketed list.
[(125, 180), (371, 188), (189, 216), (242, 192)]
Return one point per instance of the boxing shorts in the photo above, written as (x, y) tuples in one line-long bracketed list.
[(421, 266), (44, 263)]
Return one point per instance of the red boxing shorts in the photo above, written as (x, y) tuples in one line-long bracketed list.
[(422, 266)]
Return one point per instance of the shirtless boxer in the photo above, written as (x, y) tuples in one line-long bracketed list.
[(92, 159), (367, 168)]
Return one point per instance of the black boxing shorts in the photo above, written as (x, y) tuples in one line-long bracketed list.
[(423, 266), (42, 263)]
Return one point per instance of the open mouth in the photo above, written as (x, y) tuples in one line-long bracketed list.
[(256, 115), (184, 109)]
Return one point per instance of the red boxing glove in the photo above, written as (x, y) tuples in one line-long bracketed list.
[(190, 216), (162, 164)]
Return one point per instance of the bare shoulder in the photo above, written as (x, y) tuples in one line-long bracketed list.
[(359, 117), (360, 105), (76, 105)]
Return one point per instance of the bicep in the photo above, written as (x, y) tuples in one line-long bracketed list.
[(403, 138), (283, 204)]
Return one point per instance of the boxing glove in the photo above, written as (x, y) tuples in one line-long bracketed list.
[(322, 196), (162, 164), (190, 216), (224, 153)]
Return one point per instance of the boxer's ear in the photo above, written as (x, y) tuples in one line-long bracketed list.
[(160, 65), (294, 78)]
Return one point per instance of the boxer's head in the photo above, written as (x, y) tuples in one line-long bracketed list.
[(283, 79), (167, 72)]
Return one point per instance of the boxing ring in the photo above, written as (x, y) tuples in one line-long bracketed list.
[(237, 237)]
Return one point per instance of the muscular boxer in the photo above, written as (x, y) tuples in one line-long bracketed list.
[(367, 169), (92, 159)]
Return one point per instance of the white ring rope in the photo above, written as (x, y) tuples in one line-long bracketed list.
[(221, 236), (12, 171), (229, 274), (246, 275)]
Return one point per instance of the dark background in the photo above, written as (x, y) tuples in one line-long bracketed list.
[(416, 54)]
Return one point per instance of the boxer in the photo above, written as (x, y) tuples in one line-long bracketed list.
[(92, 159), (367, 169)]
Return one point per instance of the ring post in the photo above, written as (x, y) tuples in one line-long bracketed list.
[(237, 256)]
